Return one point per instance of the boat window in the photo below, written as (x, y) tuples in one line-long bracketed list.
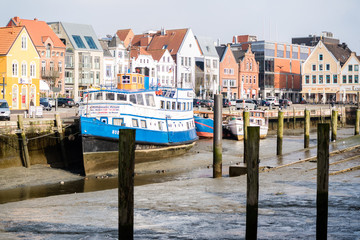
[(143, 123), (98, 96), (150, 100), (162, 104), (133, 98), (187, 125), (178, 106), (134, 79), (135, 122), (160, 125), (125, 79), (118, 121), (173, 105), (104, 119), (188, 106), (121, 97), (168, 105), (184, 106), (140, 99), (110, 96)]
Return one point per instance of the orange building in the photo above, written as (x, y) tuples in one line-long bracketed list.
[(50, 48)]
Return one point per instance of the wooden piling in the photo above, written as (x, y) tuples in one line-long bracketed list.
[(357, 122), (61, 133), (126, 183), (306, 128), (217, 144), (23, 141), (294, 116), (246, 123), (322, 180), (252, 193), (334, 118), (280, 132)]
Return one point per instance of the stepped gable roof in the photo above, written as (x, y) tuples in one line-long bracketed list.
[(39, 31), (220, 51), (105, 46), (8, 36), (157, 54), (340, 51), (171, 40)]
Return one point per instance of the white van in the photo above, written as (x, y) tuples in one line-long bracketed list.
[(247, 104), (273, 101), (4, 110)]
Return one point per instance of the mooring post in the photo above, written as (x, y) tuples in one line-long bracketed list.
[(280, 131), (23, 141), (357, 122), (246, 123), (322, 180), (306, 128), (217, 144), (126, 183), (61, 133), (294, 115), (252, 193), (334, 119), (321, 116)]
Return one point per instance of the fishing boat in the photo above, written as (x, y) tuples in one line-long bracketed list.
[(204, 126), (163, 119), (236, 124)]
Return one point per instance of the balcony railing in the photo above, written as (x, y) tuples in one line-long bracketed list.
[(50, 74)]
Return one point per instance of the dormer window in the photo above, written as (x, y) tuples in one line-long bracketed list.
[(165, 47)]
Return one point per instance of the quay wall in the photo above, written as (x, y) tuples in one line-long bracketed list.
[(43, 143)]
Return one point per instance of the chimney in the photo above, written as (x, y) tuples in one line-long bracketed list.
[(163, 31), (35, 19), (17, 19)]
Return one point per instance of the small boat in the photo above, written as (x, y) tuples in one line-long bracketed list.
[(204, 127), (163, 119), (236, 124)]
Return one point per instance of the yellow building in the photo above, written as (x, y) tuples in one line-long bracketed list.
[(19, 65)]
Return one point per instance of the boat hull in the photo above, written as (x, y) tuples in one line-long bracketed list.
[(204, 127), (236, 129)]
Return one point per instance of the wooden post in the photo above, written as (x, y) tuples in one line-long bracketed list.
[(61, 133), (357, 122), (280, 133), (246, 123), (294, 115), (321, 116), (217, 144), (307, 128), (322, 180), (252, 193), (23, 141), (126, 183), (334, 118)]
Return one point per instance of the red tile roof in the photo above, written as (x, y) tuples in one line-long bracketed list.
[(39, 31), (171, 40), (8, 36), (125, 35), (136, 51), (157, 54)]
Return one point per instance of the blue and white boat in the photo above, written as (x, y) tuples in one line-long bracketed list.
[(163, 119)]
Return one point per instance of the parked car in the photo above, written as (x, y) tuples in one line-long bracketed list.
[(80, 102), (264, 103), (45, 103), (245, 104), (4, 110), (196, 102), (273, 101), (52, 102), (284, 103), (226, 102), (66, 102), (207, 103)]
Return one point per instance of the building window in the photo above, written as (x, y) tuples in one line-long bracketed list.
[(23, 70), (327, 67), (97, 62), (48, 50), (321, 81), (51, 66), (208, 63), (334, 78), (327, 79), (43, 67), (214, 64), (15, 69), (182, 61), (254, 79), (320, 57), (90, 42), (32, 70), (247, 65), (320, 67), (350, 78), (314, 67), (350, 68), (307, 79), (314, 79), (24, 42), (356, 79), (344, 78), (356, 68), (250, 65), (60, 66), (78, 41)]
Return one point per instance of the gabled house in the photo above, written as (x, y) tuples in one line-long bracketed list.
[(164, 74), (51, 50), (321, 72), (109, 73), (83, 57), (229, 72), (248, 85), (208, 64), (349, 79), (19, 64)]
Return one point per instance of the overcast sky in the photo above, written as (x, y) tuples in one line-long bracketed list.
[(274, 20)]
